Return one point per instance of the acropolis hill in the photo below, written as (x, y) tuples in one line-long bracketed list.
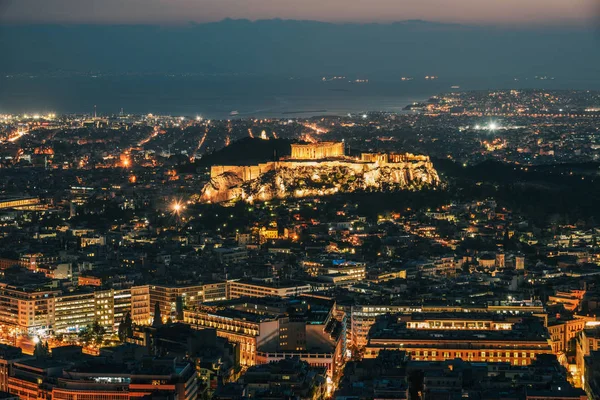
[(319, 169)]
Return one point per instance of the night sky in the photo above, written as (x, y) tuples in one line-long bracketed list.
[(500, 39), (495, 12)]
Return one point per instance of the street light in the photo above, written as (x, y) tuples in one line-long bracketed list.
[(177, 207)]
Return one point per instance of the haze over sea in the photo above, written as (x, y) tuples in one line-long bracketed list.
[(246, 66), (216, 97)]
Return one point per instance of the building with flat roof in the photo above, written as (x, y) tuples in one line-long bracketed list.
[(74, 311), (362, 317), (153, 377), (588, 343), (563, 331), (517, 344), (8, 356), (27, 310), (255, 288), (243, 328), (271, 329), (20, 203), (172, 299), (285, 378)]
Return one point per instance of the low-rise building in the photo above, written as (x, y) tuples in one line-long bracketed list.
[(255, 288), (519, 345)]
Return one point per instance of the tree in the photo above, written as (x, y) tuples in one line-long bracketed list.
[(157, 317), (93, 333), (125, 328), (506, 239), (41, 350)]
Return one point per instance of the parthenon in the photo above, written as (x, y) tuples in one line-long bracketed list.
[(317, 151)]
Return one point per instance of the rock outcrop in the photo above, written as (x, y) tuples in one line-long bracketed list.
[(284, 179), (218, 188)]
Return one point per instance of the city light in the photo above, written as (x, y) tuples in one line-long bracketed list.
[(325, 236), (177, 207), (206, 235)]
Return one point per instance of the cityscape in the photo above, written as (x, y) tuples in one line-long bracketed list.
[(441, 267), (382, 202)]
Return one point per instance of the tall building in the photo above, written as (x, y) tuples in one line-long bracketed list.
[(140, 305), (121, 305), (74, 311), (171, 299), (104, 301), (27, 310)]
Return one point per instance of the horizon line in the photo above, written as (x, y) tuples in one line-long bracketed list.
[(566, 24)]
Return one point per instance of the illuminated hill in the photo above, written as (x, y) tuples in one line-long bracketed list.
[(319, 169)]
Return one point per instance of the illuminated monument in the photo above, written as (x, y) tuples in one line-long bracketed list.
[(318, 169), (317, 151)]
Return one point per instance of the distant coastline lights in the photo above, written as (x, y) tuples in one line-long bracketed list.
[(491, 126)]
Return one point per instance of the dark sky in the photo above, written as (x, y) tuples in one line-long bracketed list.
[(496, 12), (475, 38), (303, 48)]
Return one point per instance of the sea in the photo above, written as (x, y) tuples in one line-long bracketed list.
[(221, 97)]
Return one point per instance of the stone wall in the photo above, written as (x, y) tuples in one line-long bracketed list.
[(368, 162), (244, 172), (384, 158)]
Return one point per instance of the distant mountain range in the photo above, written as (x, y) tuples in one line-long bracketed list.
[(286, 48)]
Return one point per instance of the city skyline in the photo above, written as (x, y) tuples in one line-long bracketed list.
[(299, 199)]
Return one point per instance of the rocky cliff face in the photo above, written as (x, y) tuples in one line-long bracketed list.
[(218, 189), (321, 179)]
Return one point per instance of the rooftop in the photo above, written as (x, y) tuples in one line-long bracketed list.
[(389, 328)]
